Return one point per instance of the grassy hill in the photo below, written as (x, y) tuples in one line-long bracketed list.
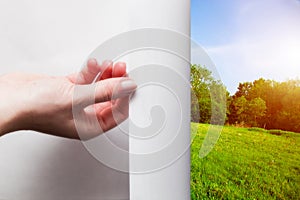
[(246, 164)]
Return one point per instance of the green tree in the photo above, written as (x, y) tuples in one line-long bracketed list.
[(248, 112), (256, 110), (268, 104), (200, 80), (208, 97), (244, 89), (288, 117), (239, 107)]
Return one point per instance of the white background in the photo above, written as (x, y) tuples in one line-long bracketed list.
[(55, 37)]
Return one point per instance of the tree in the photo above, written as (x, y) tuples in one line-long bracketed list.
[(244, 89), (200, 80), (288, 117), (256, 110), (208, 98), (268, 104), (248, 111)]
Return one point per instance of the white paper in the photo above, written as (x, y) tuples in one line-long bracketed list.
[(55, 37)]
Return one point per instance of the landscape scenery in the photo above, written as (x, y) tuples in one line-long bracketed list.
[(258, 153), (255, 46)]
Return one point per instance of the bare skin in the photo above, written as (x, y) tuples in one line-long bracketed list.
[(46, 103)]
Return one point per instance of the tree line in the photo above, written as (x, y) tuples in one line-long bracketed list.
[(262, 103)]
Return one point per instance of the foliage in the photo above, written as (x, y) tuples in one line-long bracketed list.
[(261, 103), (250, 111), (267, 104), (246, 165), (208, 97)]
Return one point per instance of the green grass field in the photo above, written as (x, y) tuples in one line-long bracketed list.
[(246, 164)]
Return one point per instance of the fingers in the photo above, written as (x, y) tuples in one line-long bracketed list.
[(105, 90), (119, 69), (114, 88), (93, 70), (106, 70), (89, 72), (113, 115), (112, 71), (104, 116)]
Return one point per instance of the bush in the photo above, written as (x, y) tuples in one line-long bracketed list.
[(276, 132), (257, 129)]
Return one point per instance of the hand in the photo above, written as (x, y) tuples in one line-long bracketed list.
[(46, 103)]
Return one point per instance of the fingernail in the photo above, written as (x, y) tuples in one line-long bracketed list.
[(128, 85), (122, 64), (92, 61)]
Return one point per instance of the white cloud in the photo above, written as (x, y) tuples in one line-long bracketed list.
[(267, 43)]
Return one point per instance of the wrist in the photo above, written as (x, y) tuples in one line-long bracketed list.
[(11, 119), (6, 125), (16, 106)]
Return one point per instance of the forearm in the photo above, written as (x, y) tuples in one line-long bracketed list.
[(12, 104), (10, 120), (6, 124)]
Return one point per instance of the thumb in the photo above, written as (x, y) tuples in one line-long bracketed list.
[(113, 88), (101, 91)]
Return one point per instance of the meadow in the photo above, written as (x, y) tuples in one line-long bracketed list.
[(246, 163)]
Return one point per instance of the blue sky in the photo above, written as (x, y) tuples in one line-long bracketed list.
[(249, 39)]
